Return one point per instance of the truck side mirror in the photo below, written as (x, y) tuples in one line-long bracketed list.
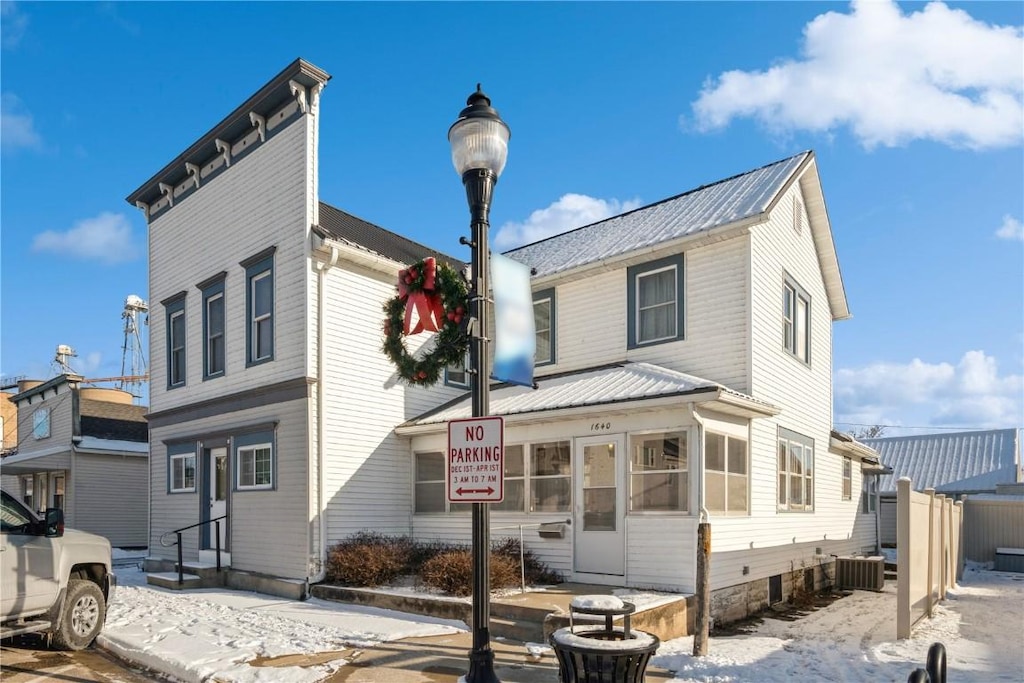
[(53, 523)]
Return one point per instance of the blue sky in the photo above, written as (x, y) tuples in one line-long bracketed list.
[(914, 110)]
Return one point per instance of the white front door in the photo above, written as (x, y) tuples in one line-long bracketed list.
[(599, 496), (218, 487)]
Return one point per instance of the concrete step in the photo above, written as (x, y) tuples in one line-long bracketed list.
[(189, 581), (512, 629)]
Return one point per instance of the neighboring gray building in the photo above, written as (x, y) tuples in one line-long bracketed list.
[(954, 464), (85, 450)]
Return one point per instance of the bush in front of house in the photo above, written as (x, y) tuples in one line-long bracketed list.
[(536, 571), (452, 572), (368, 559)]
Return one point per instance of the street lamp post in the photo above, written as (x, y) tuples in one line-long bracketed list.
[(479, 140)]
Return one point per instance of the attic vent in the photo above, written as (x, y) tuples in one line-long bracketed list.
[(861, 573), (798, 215)]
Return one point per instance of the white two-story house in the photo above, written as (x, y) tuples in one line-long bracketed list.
[(684, 371)]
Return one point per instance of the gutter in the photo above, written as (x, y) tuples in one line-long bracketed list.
[(704, 517)]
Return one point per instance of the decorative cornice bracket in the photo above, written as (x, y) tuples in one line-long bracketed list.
[(193, 170), (299, 91), (168, 191), (314, 97), (145, 208), (260, 122), (224, 148)]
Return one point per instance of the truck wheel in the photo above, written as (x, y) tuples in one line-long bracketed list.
[(82, 618)]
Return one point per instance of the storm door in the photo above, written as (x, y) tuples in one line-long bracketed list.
[(217, 484), (599, 505)]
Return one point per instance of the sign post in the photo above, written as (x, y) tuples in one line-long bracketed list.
[(475, 466)]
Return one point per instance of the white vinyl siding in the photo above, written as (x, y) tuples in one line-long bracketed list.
[(91, 488)]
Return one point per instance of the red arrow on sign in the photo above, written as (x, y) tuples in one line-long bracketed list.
[(487, 490)]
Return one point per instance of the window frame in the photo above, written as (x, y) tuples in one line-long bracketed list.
[(539, 297), (417, 482), (182, 452), (41, 423), (869, 494), (213, 290), (174, 308), (635, 440), (534, 478), (257, 268), (805, 444), (794, 325), (633, 275), (847, 490), (451, 370), (727, 473)]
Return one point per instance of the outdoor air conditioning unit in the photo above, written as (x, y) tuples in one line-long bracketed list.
[(861, 573)]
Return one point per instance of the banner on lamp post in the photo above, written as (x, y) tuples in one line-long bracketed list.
[(515, 341)]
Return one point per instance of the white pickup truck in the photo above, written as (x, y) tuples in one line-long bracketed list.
[(53, 581)]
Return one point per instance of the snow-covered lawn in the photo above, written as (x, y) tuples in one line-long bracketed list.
[(212, 634)]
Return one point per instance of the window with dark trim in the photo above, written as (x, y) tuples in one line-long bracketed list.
[(174, 309), (214, 349), (655, 292), (181, 468), (796, 321), (255, 461), (259, 307), (544, 326), (41, 423), (796, 471)]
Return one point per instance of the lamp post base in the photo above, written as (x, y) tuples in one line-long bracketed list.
[(481, 667)]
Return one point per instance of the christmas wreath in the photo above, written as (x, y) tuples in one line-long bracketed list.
[(438, 295)]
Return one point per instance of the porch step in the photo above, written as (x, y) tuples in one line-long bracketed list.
[(189, 581), (513, 629)]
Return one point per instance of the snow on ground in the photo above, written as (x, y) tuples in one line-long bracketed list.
[(981, 625), (212, 633)]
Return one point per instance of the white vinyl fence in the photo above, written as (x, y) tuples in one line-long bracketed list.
[(929, 555)]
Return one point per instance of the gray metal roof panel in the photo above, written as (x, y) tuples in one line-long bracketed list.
[(958, 462), (692, 212), (595, 386)]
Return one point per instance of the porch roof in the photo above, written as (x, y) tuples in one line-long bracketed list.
[(601, 386)]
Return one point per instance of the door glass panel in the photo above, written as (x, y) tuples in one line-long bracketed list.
[(221, 475), (599, 491)]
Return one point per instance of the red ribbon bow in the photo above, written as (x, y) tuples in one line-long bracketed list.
[(427, 303)]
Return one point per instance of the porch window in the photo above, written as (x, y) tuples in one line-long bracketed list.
[(255, 467), (796, 471), (544, 326), (726, 478), (515, 481), (58, 491), (550, 476), (183, 473), (429, 477), (655, 292), (847, 478), (868, 494), (659, 479), (41, 423), (28, 485)]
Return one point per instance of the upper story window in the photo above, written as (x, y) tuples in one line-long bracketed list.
[(796, 471), (214, 348), (174, 310), (544, 326), (726, 475), (41, 423), (796, 320), (659, 478), (655, 292), (259, 307), (847, 478), (456, 375)]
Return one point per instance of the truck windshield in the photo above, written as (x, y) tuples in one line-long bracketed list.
[(14, 517)]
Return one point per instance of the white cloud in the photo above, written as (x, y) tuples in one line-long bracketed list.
[(16, 126), (13, 24), (107, 238), (936, 74), (569, 212), (969, 394), (1011, 229)]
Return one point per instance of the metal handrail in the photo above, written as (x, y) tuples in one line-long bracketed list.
[(522, 548), (177, 542)]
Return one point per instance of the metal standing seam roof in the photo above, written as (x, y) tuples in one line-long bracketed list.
[(957, 462), (592, 387), (345, 227), (699, 210)]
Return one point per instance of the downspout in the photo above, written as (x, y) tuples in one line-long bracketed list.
[(878, 511), (321, 268)]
